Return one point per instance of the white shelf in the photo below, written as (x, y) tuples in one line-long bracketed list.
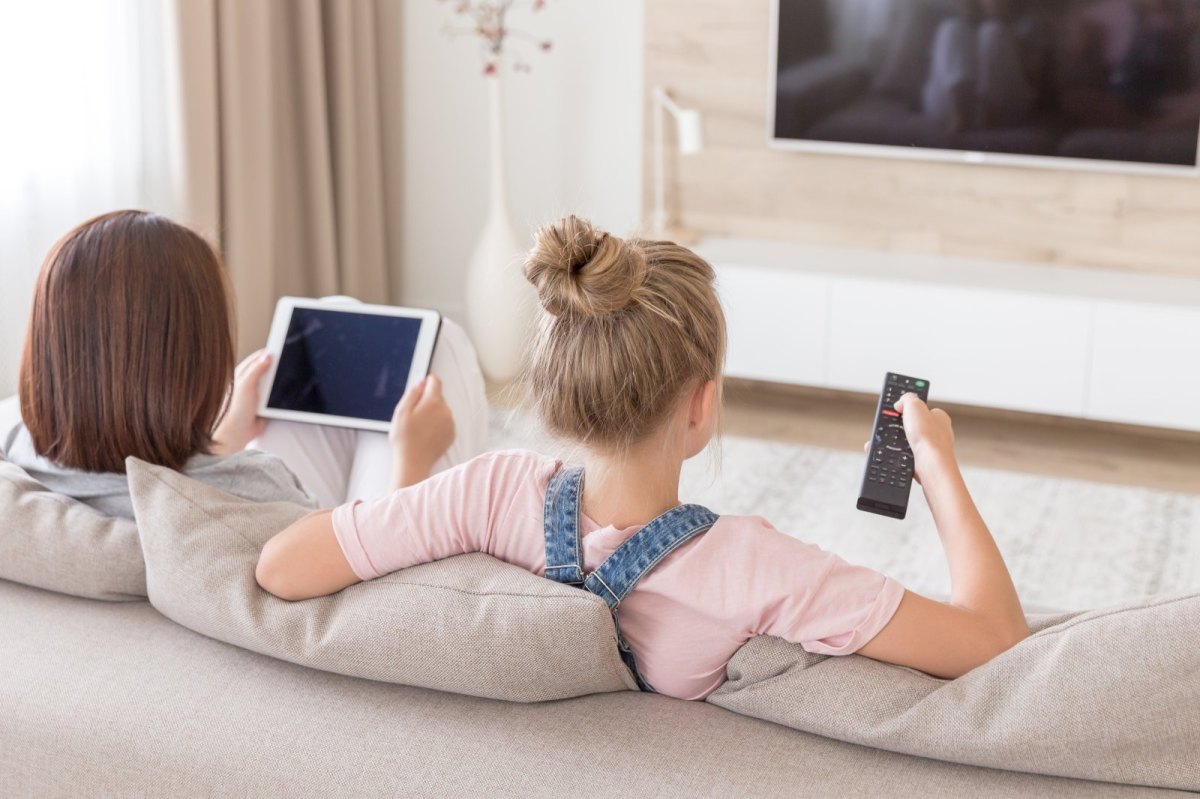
[(1085, 343)]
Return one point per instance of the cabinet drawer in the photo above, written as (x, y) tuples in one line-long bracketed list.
[(1146, 365), (997, 349)]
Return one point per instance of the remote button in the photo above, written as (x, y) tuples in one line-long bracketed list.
[(891, 413)]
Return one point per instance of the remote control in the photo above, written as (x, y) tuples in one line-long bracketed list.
[(888, 477)]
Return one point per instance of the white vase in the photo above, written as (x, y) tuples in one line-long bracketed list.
[(499, 299)]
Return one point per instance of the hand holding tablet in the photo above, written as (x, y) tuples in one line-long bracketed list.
[(344, 364), (422, 430)]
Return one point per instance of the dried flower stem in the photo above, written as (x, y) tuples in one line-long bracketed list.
[(489, 20)]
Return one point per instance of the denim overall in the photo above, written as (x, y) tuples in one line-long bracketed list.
[(620, 572)]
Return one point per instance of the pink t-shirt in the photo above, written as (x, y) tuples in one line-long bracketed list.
[(684, 620)]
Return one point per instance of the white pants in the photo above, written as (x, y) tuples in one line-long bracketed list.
[(337, 465)]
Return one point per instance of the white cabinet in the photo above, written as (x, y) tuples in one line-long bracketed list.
[(1088, 343), (1146, 365), (777, 325), (999, 349)]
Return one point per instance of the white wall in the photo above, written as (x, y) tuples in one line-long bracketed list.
[(574, 130)]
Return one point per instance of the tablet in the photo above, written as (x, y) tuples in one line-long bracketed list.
[(343, 363)]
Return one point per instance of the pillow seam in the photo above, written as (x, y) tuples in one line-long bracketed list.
[(1104, 614)]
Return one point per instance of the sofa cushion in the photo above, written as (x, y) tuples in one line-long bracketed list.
[(1111, 695), (471, 624), (54, 542)]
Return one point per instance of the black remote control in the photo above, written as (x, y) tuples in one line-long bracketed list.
[(888, 477)]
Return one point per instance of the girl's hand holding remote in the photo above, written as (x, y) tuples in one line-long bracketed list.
[(930, 435), (422, 430)]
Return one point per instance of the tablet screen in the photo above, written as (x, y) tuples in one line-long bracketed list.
[(344, 363)]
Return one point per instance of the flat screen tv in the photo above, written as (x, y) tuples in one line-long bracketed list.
[(1098, 84)]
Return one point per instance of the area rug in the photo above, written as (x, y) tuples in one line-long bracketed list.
[(1070, 544)]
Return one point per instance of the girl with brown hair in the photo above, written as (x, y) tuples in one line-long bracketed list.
[(627, 362), (129, 352)]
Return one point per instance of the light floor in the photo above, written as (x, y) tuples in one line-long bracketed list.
[(1125, 455)]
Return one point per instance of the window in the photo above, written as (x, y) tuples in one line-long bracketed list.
[(83, 130)]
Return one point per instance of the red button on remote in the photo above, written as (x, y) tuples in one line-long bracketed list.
[(891, 413)]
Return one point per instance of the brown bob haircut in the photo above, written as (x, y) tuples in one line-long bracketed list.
[(130, 347)]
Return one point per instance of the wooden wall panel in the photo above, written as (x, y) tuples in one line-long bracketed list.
[(713, 55)]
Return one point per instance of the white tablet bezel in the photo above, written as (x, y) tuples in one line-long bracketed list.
[(422, 355)]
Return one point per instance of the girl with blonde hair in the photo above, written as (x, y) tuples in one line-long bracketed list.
[(627, 362)]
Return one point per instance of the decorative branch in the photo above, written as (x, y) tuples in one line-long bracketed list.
[(489, 21)]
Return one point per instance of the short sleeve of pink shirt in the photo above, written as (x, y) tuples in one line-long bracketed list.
[(685, 620), (492, 503)]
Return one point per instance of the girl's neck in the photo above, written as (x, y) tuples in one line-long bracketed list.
[(631, 488)]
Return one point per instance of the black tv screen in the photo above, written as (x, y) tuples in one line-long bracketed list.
[(1108, 81)]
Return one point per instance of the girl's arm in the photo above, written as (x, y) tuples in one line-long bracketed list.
[(305, 560), (983, 617), (462, 510)]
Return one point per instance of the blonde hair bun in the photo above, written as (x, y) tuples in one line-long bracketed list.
[(579, 270)]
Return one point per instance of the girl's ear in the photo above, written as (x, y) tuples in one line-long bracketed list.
[(702, 418), (703, 406)]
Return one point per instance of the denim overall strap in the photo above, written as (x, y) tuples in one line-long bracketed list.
[(564, 561), (628, 564), (645, 549)]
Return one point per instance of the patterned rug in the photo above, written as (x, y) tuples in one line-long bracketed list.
[(1069, 544)]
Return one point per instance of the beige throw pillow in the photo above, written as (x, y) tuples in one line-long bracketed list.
[(470, 625), (54, 542), (1110, 695)]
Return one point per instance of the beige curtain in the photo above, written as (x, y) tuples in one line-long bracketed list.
[(290, 146)]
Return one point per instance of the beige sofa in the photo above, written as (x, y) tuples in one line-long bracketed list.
[(113, 699)]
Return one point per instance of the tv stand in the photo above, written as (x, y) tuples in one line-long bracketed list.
[(1078, 342)]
